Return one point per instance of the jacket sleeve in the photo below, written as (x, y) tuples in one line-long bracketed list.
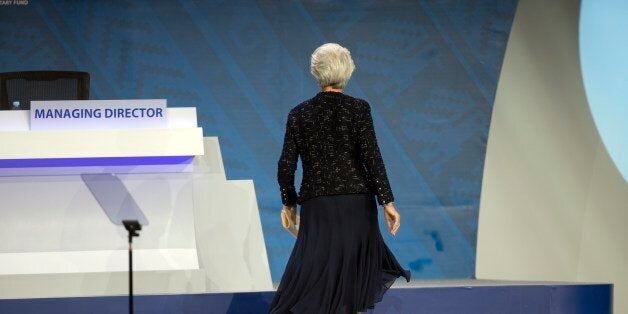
[(287, 163), (371, 156)]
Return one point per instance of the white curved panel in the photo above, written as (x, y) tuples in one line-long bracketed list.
[(553, 205)]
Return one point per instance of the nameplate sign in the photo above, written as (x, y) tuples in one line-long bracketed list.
[(98, 114)]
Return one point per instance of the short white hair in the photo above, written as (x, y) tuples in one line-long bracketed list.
[(332, 65)]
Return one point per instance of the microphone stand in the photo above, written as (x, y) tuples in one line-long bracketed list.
[(132, 226)]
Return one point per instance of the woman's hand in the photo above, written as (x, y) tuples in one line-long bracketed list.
[(290, 219), (292, 211), (393, 219)]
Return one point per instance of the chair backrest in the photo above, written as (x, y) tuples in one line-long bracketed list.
[(42, 85)]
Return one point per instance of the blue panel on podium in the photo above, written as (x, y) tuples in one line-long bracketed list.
[(95, 161), (479, 299)]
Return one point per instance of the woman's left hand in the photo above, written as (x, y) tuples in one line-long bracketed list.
[(392, 217)]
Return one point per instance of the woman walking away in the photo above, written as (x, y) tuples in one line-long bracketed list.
[(339, 262)]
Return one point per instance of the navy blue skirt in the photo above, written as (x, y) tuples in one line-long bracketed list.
[(339, 262)]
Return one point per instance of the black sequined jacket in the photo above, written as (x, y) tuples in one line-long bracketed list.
[(334, 135)]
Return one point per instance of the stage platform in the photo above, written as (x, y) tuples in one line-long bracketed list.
[(430, 296)]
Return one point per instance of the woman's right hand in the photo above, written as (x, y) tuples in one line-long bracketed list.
[(393, 219)]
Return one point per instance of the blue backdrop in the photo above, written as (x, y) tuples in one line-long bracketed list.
[(428, 68)]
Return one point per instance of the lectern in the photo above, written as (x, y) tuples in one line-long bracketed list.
[(101, 160)]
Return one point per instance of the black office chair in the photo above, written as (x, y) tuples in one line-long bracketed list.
[(23, 87)]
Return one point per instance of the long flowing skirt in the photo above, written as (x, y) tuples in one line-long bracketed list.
[(339, 262)]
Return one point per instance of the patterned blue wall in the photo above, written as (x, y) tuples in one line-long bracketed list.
[(428, 68)]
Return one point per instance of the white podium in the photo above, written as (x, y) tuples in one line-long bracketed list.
[(204, 232)]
